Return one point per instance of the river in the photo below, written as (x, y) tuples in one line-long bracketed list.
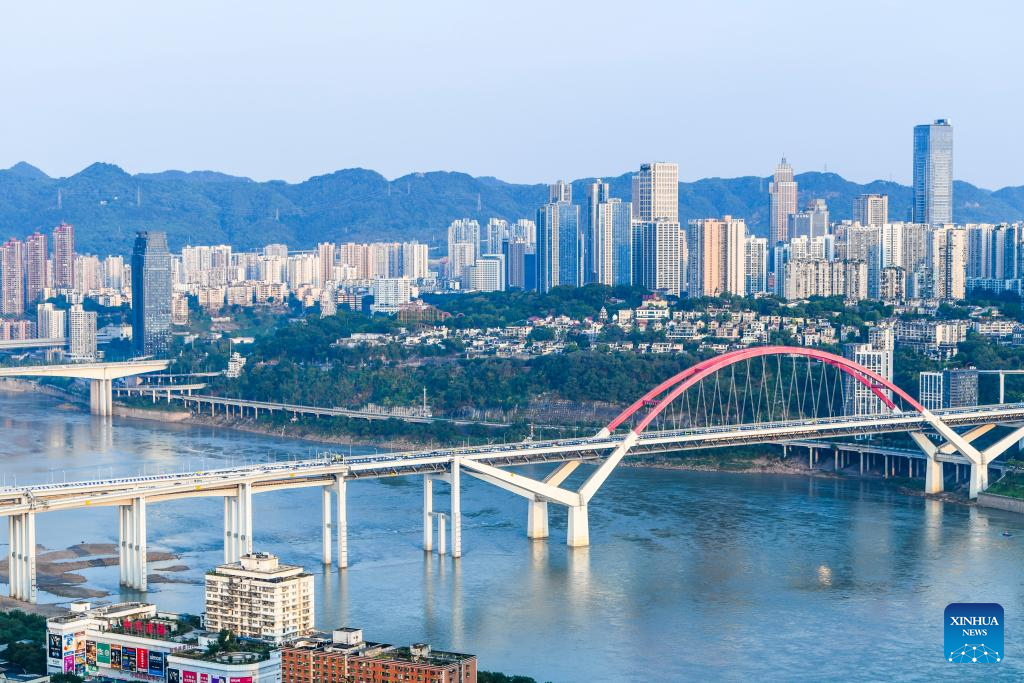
[(690, 575)]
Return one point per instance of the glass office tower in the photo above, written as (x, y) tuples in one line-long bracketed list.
[(933, 173), (151, 294)]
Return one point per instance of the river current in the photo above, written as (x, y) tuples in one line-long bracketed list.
[(690, 575)]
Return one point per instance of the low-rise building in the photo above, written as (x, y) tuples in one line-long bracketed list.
[(343, 655)]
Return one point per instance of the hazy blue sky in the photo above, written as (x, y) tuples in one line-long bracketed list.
[(525, 91)]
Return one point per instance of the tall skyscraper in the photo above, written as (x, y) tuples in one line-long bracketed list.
[(559, 241), (12, 277), (811, 222), (82, 337), (656, 192), (325, 252), (496, 233), (947, 263), (933, 173), (64, 256), (35, 267), (463, 248), (663, 252), (783, 202), (755, 265), (151, 294), (613, 242), (871, 209), (596, 193), (51, 322), (716, 256)]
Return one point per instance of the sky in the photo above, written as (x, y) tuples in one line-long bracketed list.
[(525, 91)]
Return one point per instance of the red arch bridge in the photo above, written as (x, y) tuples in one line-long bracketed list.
[(760, 395)]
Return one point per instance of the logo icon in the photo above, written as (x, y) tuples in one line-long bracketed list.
[(973, 633)]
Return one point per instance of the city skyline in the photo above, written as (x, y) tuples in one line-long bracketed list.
[(174, 110)]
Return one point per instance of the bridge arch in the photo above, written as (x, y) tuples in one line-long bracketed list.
[(661, 396)]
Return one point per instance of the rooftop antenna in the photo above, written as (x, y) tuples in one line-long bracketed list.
[(59, 202), (138, 196), (389, 188), (478, 204), (277, 215)]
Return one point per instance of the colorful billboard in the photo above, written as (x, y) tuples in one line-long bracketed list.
[(53, 647), (128, 659), (115, 656), (142, 660), (240, 679), (156, 664), (188, 677), (90, 653), (69, 664), (173, 676), (103, 654)]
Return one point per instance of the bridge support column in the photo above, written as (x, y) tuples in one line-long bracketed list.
[(133, 545), (101, 397), (341, 494), (979, 479), (456, 510), (21, 560), (933, 476), (428, 513), (325, 525), (537, 519), (442, 534), (238, 524), (578, 533)]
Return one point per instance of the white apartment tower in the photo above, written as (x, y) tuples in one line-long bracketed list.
[(258, 597)]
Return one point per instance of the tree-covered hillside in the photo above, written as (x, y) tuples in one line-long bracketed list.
[(107, 205)]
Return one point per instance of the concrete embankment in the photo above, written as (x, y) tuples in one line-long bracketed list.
[(992, 500)]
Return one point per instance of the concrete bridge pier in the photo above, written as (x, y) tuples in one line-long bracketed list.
[(133, 544), (21, 557), (453, 478), (537, 519), (101, 397), (238, 524), (579, 528), (341, 525)]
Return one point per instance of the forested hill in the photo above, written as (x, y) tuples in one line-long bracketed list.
[(107, 205)]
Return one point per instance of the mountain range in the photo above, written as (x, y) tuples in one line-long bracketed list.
[(107, 205)]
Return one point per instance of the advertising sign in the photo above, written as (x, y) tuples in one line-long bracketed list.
[(53, 648), (156, 664), (240, 679), (142, 660), (128, 659), (115, 656), (90, 653), (188, 677), (68, 643), (173, 676), (204, 678), (69, 664), (218, 679), (103, 654)]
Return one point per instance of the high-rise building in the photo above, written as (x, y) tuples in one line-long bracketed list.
[(783, 193), (325, 253), (151, 294), (948, 389), (656, 192), (488, 273), (64, 256), (258, 597), (933, 173), (496, 233), (811, 222), (463, 248), (36, 257), (755, 265), (663, 253), (559, 241), (82, 334), (871, 209), (596, 194), (51, 322), (860, 399), (716, 255), (947, 263), (516, 251), (12, 277), (613, 242)]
